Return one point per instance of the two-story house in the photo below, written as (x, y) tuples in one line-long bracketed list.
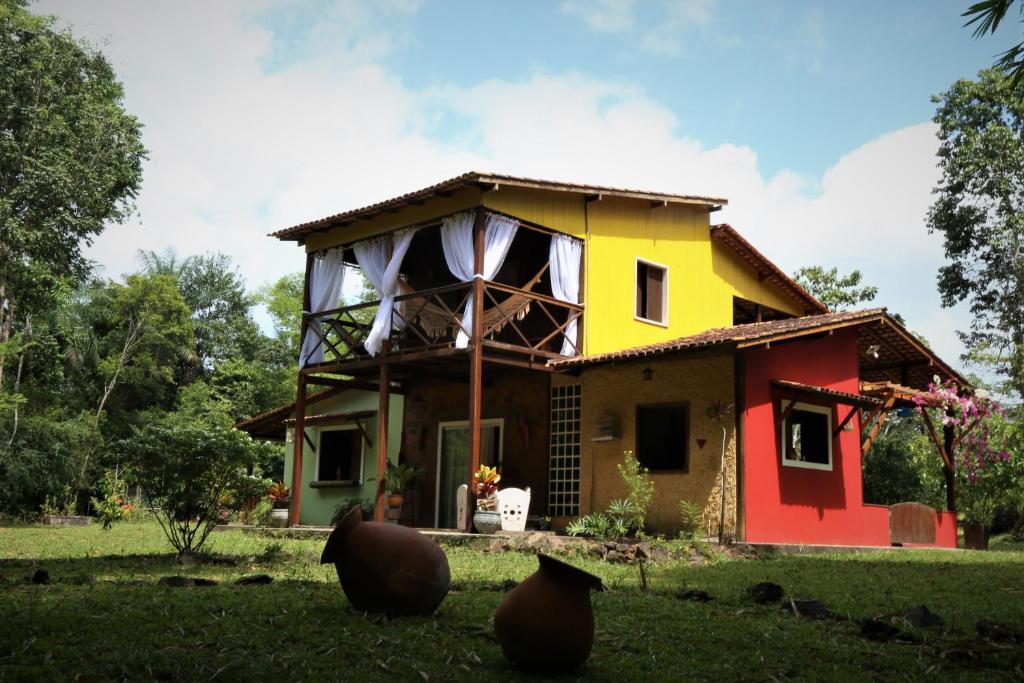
[(547, 327)]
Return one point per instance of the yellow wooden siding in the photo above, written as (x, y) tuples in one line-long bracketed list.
[(739, 278), (561, 211), (702, 276), (410, 214)]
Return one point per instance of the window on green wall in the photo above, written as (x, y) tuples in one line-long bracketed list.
[(340, 455)]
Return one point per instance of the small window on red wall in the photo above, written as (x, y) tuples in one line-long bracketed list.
[(807, 436)]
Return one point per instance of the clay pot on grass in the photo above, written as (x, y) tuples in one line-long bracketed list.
[(546, 623), (975, 536), (386, 567)]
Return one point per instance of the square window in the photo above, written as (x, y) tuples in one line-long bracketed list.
[(651, 292), (807, 436), (662, 436), (340, 455)]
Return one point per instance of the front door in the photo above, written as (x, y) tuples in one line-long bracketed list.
[(453, 463)]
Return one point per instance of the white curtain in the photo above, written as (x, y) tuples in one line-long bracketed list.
[(372, 256), (326, 277), (457, 242), (564, 258)]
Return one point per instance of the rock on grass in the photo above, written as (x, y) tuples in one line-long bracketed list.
[(694, 595), (254, 580), (765, 593)]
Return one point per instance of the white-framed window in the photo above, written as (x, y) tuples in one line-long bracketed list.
[(807, 436), (651, 292), (339, 455), (564, 453)]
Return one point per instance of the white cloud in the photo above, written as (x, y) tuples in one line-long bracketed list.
[(238, 150), (603, 15), (663, 33)]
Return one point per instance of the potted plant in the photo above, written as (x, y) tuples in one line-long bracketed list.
[(280, 496), (396, 479), (486, 518)]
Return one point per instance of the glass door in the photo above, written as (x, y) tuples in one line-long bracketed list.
[(453, 463)]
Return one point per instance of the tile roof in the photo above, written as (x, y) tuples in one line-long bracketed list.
[(886, 350), (480, 178), (736, 335)]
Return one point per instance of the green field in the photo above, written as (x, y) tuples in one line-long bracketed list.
[(103, 616)]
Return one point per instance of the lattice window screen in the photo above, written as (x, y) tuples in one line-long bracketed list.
[(564, 460)]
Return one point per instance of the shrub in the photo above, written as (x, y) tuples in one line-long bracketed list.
[(113, 504), (342, 509), (184, 468), (641, 488), (692, 517)]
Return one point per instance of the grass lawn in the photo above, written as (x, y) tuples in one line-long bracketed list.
[(104, 617)]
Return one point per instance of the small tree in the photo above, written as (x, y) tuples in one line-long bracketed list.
[(187, 470)]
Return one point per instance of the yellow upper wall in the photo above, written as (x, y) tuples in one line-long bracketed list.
[(703, 274)]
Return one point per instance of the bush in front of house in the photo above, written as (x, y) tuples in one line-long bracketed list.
[(186, 468), (624, 516)]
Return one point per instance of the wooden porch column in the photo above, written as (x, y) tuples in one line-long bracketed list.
[(384, 396), (949, 469), (297, 447), (295, 505), (476, 357)]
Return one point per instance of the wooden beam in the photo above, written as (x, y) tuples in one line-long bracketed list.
[(476, 357), (883, 413), (295, 506), (739, 388), (340, 383), (846, 420), (948, 440), (384, 403), (786, 412)]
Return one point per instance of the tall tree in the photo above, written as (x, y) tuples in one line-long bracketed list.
[(70, 157), (838, 292), (986, 16), (979, 210)]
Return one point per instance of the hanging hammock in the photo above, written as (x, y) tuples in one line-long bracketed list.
[(436, 322)]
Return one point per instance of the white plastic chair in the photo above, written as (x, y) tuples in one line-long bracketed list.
[(462, 507), (513, 505)]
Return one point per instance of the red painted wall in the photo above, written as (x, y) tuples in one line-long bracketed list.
[(785, 504)]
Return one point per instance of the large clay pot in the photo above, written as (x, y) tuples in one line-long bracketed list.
[(546, 623), (386, 567), (975, 536)]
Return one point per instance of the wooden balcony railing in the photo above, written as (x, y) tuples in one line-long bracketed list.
[(514, 320)]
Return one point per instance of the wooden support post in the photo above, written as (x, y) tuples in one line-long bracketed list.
[(384, 396), (883, 413), (298, 445), (298, 438), (476, 355), (948, 443), (945, 448)]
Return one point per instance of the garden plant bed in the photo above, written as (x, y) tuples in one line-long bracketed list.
[(103, 614)]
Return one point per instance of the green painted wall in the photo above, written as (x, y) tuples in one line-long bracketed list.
[(318, 503)]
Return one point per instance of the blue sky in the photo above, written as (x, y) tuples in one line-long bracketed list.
[(812, 118), (802, 82)]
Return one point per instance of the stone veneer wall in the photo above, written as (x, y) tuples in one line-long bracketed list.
[(616, 390)]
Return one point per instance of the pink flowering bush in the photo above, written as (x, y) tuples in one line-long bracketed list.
[(985, 472)]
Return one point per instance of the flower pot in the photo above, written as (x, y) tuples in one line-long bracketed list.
[(386, 567), (546, 623), (395, 500), (279, 517), (975, 536), (487, 521)]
